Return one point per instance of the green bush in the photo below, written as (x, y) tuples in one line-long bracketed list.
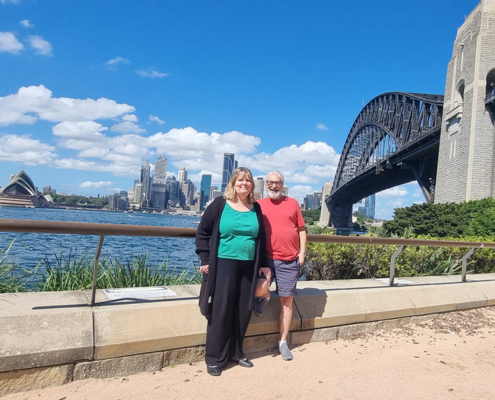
[(351, 261)]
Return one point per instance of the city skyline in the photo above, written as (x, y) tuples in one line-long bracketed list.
[(81, 109)]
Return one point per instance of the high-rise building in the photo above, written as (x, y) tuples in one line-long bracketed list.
[(212, 189), (160, 175), (188, 192), (228, 167), (146, 184), (205, 190), (138, 194), (158, 195), (183, 175), (312, 201), (259, 187), (369, 205)]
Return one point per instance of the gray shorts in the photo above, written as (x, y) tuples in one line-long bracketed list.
[(286, 274)]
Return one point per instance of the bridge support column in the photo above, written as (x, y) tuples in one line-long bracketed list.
[(425, 172), (340, 213)]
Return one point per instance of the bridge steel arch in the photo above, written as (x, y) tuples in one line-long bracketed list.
[(394, 140)]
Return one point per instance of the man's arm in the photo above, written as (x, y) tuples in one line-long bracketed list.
[(302, 244)]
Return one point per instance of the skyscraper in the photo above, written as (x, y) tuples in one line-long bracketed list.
[(204, 191), (146, 184), (259, 185), (160, 175), (228, 167), (369, 205), (183, 175)]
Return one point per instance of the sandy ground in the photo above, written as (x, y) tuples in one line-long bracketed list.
[(451, 357)]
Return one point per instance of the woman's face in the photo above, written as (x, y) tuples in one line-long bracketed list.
[(243, 186)]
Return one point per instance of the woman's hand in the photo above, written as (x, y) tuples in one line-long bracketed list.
[(204, 268)]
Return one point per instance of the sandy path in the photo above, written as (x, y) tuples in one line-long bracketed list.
[(452, 357)]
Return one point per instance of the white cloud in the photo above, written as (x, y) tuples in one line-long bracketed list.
[(393, 192), (398, 202), (419, 202), (26, 23), (117, 60), (156, 119), (129, 117), (9, 43), (95, 185), (151, 73), (10, 1), (322, 127), (80, 130), (127, 127), (417, 193), (299, 192), (305, 163), (38, 100), (190, 144), (116, 169), (13, 117), (93, 152), (25, 150), (42, 46)]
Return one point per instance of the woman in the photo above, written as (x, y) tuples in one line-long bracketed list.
[(230, 242)]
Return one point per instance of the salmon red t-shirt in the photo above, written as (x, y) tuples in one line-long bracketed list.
[(282, 219)]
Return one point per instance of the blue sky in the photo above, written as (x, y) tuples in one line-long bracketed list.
[(90, 89)]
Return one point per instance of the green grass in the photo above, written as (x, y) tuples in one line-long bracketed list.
[(72, 272), (10, 279)]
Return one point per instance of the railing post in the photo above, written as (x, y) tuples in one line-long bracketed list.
[(95, 270), (464, 263), (392, 264)]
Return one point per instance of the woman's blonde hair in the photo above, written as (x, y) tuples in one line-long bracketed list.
[(239, 173)]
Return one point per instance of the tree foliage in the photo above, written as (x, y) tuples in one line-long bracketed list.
[(472, 218), (75, 200), (311, 216)]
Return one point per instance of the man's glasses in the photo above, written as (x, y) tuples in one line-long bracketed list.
[(270, 183)]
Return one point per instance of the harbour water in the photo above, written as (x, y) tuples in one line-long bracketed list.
[(29, 248)]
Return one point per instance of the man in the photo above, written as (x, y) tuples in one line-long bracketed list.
[(286, 246)]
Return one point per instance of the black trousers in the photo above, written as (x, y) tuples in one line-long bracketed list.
[(230, 314)]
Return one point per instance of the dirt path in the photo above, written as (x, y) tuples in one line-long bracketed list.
[(452, 357)]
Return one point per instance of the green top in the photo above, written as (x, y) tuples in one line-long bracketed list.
[(238, 232)]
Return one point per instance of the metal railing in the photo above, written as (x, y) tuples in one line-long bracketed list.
[(102, 230)]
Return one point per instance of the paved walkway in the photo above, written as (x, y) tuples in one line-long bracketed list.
[(451, 357)]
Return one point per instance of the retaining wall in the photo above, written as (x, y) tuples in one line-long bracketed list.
[(53, 338)]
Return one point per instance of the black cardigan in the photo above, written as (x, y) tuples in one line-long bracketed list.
[(207, 242)]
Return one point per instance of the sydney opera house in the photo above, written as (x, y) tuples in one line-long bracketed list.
[(21, 192)]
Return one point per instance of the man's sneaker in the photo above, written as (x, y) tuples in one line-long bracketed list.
[(284, 351), (260, 305)]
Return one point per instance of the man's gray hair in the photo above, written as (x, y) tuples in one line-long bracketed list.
[(281, 177)]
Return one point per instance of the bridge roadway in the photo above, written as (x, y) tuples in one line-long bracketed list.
[(54, 338)]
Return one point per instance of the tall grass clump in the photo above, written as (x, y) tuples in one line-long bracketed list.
[(139, 273), (70, 272), (10, 278)]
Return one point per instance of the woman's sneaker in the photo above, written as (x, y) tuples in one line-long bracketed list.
[(260, 305), (284, 351)]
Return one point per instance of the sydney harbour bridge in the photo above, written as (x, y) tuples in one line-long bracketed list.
[(394, 140)]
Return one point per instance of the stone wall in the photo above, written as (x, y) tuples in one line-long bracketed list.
[(466, 156), (54, 338)]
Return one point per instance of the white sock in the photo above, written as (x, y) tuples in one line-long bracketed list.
[(281, 342)]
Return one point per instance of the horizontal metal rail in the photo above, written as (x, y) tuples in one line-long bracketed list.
[(83, 228), (102, 230)]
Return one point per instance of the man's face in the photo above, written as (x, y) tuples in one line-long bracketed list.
[(274, 186)]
